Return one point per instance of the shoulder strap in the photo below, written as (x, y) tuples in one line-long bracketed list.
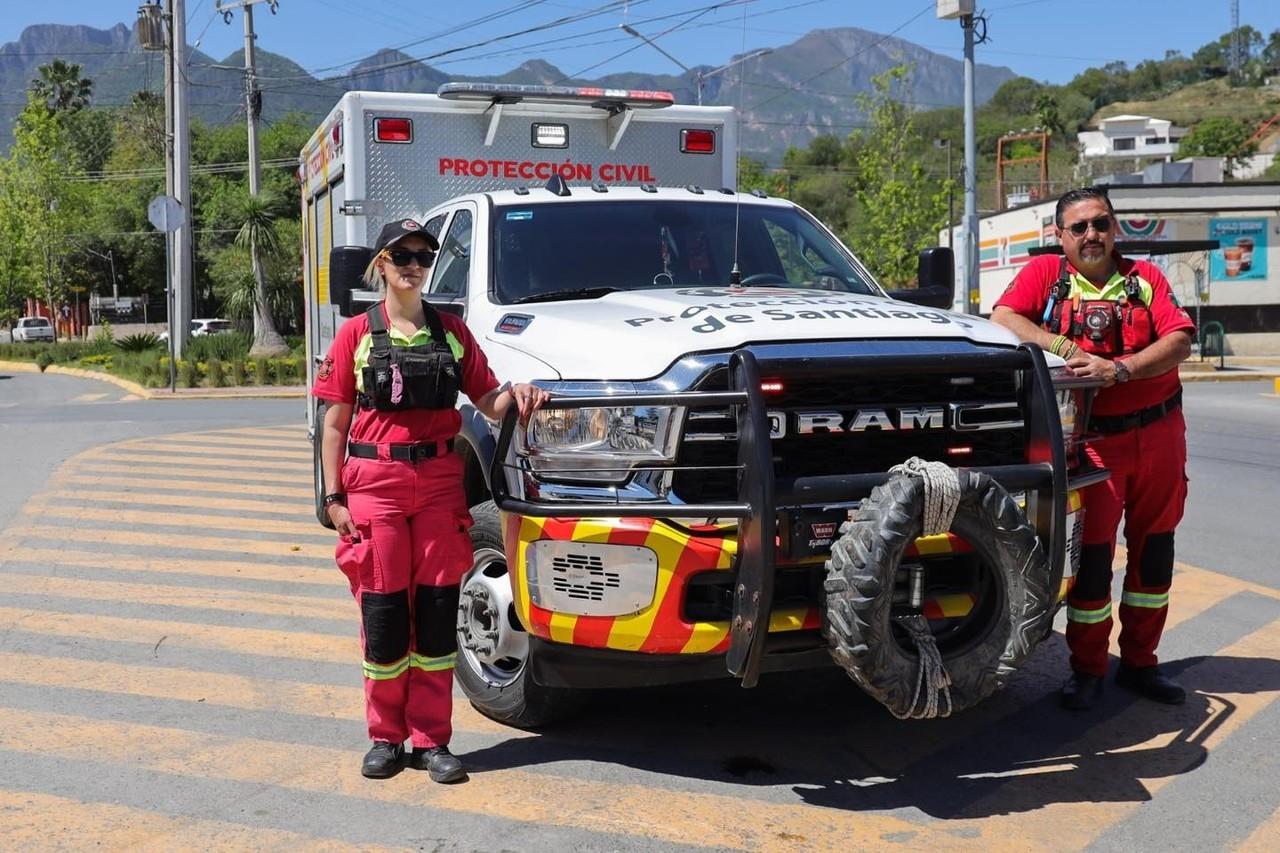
[(434, 323), (378, 329)]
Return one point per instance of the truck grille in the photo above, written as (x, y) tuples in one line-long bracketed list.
[(710, 433)]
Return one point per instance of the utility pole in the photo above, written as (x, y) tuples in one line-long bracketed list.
[(177, 148), (699, 76), (967, 265), (265, 333), (184, 288)]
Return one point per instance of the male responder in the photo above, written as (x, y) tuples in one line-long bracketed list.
[(1116, 320)]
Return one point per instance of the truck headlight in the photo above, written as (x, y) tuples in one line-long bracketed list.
[(600, 444)]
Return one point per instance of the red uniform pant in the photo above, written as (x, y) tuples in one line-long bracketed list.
[(404, 568), (1148, 486)]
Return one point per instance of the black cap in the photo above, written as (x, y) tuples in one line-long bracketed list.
[(394, 232)]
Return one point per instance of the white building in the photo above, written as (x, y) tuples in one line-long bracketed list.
[(1126, 142)]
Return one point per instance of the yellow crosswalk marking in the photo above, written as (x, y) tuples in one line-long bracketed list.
[(198, 501), (145, 518), (229, 600), (196, 441), (185, 541), (1265, 838), (87, 398), (638, 810), (196, 461), (99, 466), (198, 451), (1054, 819), (312, 646), (218, 689), (201, 485), (32, 821), (317, 573), (278, 432)]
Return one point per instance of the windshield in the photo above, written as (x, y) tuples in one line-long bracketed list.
[(35, 323), (632, 245)]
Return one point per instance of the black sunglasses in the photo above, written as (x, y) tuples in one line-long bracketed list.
[(1102, 225), (401, 257)]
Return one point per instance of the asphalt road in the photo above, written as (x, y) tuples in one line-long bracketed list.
[(179, 668)]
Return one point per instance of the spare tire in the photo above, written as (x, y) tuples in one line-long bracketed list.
[(858, 616)]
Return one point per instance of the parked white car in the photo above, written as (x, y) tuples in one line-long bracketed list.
[(32, 329), (205, 326)]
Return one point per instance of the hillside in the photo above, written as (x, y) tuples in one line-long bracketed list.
[(1199, 101), (793, 94)]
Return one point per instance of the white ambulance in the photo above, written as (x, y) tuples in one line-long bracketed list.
[(709, 491)]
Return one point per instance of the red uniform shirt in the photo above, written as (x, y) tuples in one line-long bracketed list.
[(338, 381), (1028, 295)]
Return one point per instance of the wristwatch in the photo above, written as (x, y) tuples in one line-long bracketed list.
[(335, 498), (1122, 371)]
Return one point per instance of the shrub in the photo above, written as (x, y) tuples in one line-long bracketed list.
[(100, 359), (43, 359), (188, 373), (239, 375), (138, 343), (103, 338), (262, 371), (224, 346), (217, 377)]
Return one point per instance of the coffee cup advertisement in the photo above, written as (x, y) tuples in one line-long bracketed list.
[(1242, 252)]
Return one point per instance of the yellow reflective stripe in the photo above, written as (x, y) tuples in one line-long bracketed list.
[(1089, 617), (398, 339), (1112, 290), (429, 664), (1153, 600), (385, 671)]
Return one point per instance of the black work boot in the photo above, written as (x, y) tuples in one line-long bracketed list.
[(383, 760), (1081, 691), (1150, 682), (441, 765)]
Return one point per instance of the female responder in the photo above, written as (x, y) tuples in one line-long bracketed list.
[(390, 380)]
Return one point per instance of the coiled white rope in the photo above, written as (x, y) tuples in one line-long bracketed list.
[(941, 492), (941, 499)]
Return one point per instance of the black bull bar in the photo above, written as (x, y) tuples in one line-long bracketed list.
[(760, 497)]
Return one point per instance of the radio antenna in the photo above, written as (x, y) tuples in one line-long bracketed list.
[(735, 275)]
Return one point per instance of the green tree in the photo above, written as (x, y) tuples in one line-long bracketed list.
[(61, 87), (48, 202), (257, 237), (16, 273), (899, 209), (1218, 137)]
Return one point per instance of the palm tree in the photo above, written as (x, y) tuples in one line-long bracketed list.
[(257, 233), (61, 87)]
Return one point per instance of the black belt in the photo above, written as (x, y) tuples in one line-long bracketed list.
[(402, 452), (1113, 424)]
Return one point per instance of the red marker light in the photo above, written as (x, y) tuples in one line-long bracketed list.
[(698, 141), (393, 129), (962, 450), (771, 386)]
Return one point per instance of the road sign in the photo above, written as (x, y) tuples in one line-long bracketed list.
[(166, 214)]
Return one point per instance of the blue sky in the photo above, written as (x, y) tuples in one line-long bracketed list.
[(1049, 40)]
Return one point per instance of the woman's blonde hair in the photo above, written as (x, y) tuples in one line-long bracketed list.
[(373, 277)]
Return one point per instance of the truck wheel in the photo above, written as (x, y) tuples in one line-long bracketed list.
[(1014, 601), (493, 646), (317, 475)]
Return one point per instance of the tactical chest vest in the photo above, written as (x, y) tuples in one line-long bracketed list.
[(425, 376), (1105, 327)]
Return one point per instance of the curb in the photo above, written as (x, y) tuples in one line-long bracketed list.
[(1229, 376), (283, 392)]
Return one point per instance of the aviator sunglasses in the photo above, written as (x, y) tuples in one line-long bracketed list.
[(1102, 225), (401, 257)]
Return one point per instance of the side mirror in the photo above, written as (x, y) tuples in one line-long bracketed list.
[(346, 275), (936, 280)]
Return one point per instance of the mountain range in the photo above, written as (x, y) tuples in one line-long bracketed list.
[(796, 92)]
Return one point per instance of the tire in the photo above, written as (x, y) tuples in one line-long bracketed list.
[(858, 618), (317, 470), (491, 669)]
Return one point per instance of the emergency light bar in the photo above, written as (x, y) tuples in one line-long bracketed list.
[(505, 93)]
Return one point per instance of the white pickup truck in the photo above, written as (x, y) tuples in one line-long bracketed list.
[(709, 491)]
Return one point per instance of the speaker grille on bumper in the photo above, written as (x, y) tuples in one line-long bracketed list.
[(590, 578)]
